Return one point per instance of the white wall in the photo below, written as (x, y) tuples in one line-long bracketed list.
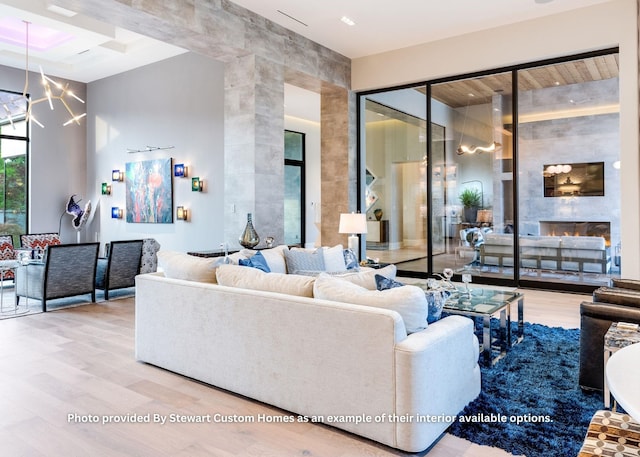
[(177, 102), (601, 26), (57, 166)]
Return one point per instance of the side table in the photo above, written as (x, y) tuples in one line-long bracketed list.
[(615, 339), (6, 266)]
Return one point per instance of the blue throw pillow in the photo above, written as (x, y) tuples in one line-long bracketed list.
[(384, 283), (256, 261), (351, 260), (436, 300)]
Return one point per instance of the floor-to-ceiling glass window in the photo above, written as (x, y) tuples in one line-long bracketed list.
[(14, 142), (476, 174), (294, 188), (395, 193), (515, 181), (568, 168)]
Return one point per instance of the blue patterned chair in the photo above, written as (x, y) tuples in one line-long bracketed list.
[(66, 270), (119, 269)]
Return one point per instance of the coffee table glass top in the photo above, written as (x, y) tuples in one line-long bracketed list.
[(480, 301)]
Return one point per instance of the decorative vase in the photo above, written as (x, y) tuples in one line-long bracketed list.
[(249, 237), (378, 214)]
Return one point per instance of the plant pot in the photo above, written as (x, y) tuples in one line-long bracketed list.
[(471, 214)]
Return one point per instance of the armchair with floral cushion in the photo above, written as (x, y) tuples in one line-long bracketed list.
[(7, 252), (39, 241)]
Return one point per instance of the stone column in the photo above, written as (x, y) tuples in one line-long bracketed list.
[(254, 148), (338, 160)]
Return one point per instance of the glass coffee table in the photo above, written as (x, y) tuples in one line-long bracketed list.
[(485, 303)]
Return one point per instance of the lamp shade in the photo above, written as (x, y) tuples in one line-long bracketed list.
[(352, 223), (485, 216)]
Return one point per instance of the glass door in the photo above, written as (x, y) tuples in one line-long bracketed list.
[(569, 171), (474, 171), (394, 143)]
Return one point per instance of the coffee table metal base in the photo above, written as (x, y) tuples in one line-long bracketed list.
[(504, 340)]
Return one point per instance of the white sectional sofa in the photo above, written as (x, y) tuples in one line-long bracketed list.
[(310, 356), (584, 254)]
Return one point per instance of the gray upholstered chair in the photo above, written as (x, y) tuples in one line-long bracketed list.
[(65, 271), (119, 269), (149, 262)]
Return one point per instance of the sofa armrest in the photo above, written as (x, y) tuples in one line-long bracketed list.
[(437, 373), (617, 296), (632, 284), (595, 320)]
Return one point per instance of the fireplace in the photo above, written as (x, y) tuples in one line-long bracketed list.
[(576, 228)]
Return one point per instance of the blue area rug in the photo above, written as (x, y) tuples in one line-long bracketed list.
[(536, 384)]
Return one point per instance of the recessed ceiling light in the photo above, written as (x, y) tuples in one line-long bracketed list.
[(61, 11), (543, 1), (347, 21)]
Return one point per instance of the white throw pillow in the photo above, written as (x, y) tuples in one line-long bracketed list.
[(334, 259), (274, 257), (408, 301), (366, 277), (179, 265), (254, 279)]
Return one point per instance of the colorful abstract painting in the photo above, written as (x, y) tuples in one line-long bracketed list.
[(149, 191)]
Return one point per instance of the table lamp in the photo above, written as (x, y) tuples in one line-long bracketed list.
[(354, 224)]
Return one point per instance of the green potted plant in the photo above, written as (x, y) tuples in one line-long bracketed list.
[(471, 200)]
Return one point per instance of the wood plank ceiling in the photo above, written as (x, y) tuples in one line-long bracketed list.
[(456, 93)]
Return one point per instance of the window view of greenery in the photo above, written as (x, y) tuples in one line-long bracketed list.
[(13, 188)]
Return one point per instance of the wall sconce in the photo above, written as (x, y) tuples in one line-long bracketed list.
[(196, 184), (106, 189), (181, 213), (117, 175), (116, 213), (180, 170)]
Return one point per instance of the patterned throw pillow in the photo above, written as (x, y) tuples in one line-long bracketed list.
[(300, 261), (256, 261), (436, 300), (351, 260), (384, 283)]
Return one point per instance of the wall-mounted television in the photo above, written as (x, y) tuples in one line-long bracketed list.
[(574, 179)]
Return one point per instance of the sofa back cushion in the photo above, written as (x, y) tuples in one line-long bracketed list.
[(366, 277), (179, 265), (408, 301), (254, 279)]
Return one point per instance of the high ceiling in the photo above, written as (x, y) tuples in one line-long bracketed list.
[(98, 50), (382, 26), (93, 50)]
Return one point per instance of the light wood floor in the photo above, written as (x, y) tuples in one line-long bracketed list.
[(80, 361)]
